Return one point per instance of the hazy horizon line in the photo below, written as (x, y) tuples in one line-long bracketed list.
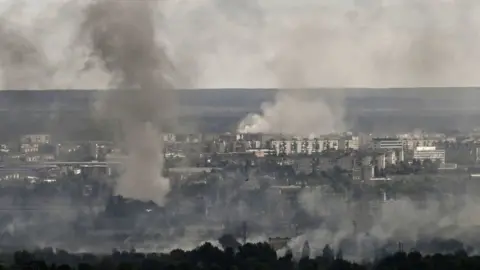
[(268, 88)]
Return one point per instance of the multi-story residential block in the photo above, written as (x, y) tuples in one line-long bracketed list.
[(387, 143), (281, 147), (432, 153), (309, 146), (295, 146), (331, 142), (349, 142), (413, 143)]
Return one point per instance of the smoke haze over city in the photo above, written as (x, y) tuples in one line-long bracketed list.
[(255, 44), (345, 188)]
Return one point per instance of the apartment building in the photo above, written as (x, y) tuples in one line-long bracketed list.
[(387, 143), (305, 146), (432, 153)]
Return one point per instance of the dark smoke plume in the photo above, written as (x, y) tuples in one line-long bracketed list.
[(121, 34)]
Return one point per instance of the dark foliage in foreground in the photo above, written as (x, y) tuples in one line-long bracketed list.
[(249, 256)]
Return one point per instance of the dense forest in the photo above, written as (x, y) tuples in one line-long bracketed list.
[(257, 256)]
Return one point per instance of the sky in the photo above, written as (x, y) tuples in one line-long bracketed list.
[(261, 43)]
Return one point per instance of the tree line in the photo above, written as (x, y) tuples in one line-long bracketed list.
[(258, 256)]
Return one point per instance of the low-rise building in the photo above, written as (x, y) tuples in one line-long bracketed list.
[(477, 154), (29, 148), (35, 139), (4, 148), (368, 172), (17, 173), (303, 166), (34, 157), (390, 157), (169, 137)]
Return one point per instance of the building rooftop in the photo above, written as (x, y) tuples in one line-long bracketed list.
[(191, 169), (426, 148), (385, 139)]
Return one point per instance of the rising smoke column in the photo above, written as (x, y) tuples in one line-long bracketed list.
[(293, 114), (121, 34), (404, 44)]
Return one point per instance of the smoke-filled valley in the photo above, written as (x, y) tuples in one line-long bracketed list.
[(81, 214)]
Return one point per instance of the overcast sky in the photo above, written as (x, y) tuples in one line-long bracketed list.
[(268, 43)]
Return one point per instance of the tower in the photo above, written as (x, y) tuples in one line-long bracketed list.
[(306, 250), (244, 232)]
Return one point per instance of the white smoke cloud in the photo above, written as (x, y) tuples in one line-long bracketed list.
[(295, 115)]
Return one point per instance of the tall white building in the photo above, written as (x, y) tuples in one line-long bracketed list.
[(413, 143), (310, 146), (289, 147), (432, 153), (394, 148), (387, 143)]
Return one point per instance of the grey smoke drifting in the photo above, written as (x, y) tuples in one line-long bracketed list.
[(122, 35), (294, 45), (294, 114), (22, 64), (404, 44), (280, 43), (363, 230)]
